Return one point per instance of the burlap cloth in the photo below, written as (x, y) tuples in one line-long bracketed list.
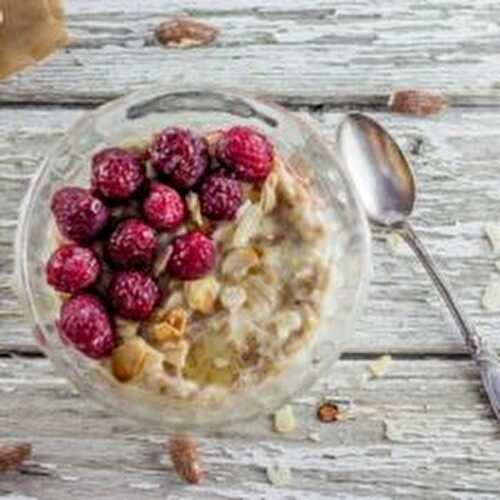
[(29, 31)]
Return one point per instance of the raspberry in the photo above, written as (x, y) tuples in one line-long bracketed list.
[(164, 208), (133, 294), (71, 268), (84, 322), (193, 256), (179, 155), (132, 244), (79, 215), (116, 173), (247, 152), (220, 197)]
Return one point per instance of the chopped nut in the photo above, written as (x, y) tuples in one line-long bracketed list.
[(392, 433), (202, 294), (397, 245), (416, 102), (268, 193), (212, 139), (171, 328), (491, 297), (175, 355), (194, 207), (328, 412), (379, 366), (185, 32), (492, 231), (279, 475), (239, 261), (185, 458), (126, 329), (284, 420), (12, 456), (127, 360), (161, 261), (287, 185), (233, 297), (247, 226)]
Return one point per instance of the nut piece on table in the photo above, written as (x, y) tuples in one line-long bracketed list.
[(328, 412), (416, 102), (128, 359), (12, 456), (284, 420), (185, 32), (202, 294), (185, 458)]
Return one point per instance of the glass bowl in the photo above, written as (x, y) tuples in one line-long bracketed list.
[(136, 117)]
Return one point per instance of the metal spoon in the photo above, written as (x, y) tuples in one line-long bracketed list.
[(386, 186)]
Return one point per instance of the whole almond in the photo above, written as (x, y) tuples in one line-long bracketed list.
[(185, 458), (185, 32), (128, 359), (12, 456), (416, 102)]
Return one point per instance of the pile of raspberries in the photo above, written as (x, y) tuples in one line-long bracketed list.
[(128, 245)]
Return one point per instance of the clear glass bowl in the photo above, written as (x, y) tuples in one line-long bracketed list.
[(139, 116)]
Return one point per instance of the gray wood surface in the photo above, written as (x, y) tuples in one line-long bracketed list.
[(319, 58)]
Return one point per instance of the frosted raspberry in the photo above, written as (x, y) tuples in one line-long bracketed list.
[(72, 268), (164, 208), (133, 294), (220, 197), (179, 155), (84, 323), (132, 244), (246, 152), (193, 256), (79, 215), (116, 173)]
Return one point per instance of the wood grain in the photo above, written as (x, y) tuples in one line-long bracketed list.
[(445, 443), (328, 53), (456, 157)]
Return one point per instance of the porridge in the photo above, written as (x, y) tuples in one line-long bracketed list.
[(190, 264)]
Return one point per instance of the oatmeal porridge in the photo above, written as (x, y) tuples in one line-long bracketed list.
[(190, 262)]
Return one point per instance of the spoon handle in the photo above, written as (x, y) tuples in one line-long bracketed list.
[(481, 353)]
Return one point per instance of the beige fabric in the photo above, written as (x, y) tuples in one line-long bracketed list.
[(29, 31)]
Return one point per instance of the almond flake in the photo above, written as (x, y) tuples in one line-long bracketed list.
[(193, 204), (202, 294), (279, 474), (379, 366), (284, 420), (491, 297), (248, 226), (492, 231)]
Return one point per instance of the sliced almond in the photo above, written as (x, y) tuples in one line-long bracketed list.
[(239, 261), (268, 193), (175, 355), (202, 294), (233, 297), (128, 359), (247, 226), (193, 204)]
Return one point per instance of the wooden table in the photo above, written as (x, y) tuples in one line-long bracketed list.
[(423, 430)]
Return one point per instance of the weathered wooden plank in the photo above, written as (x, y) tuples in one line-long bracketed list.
[(443, 441), (354, 51), (456, 157)]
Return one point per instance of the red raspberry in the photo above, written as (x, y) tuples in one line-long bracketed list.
[(180, 155), (164, 208), (85, 323), (133, 294), (220, 197), (71, 268), (193, 256), (247, 152), (116, 173), (132, 244), (79, 215)]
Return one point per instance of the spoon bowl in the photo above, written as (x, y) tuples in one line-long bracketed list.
[(379, 169)]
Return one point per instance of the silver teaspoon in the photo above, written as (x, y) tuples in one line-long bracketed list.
[(386, 186)]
